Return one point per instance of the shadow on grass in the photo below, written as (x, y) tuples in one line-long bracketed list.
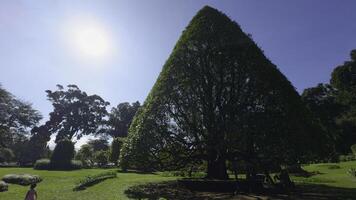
[(172, 190), (314, 191)]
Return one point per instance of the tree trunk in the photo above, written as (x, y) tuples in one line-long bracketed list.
[(217, 169)]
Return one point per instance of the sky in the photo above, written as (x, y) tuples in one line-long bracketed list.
[(116, 48)]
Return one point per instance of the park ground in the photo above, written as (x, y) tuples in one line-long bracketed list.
[(329, 181)]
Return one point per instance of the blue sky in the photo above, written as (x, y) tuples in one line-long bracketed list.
[(306, 39)]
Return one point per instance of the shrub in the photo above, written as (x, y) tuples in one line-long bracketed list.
[(345, 158), (352, 172), (42, 164), (85, 154), (3, 186), (22, 179), (62, 155), (6, 155), (353, 149), (76, 164), (92, 180), (101, 157), (45, 164), (115, 150)]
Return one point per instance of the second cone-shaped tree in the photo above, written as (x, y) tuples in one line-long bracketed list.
[(217, 98)]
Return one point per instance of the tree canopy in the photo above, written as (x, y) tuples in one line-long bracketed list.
[(75, 113), (120, 118), (334, 105), (17, 118), (217, 98)]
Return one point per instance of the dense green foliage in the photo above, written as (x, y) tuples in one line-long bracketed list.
[(22, 179), (101, 144), (334, 105), (42, 164), (17, 118), (62, 155), (6, 155), (75, 113), (353, 149), (3, 186), (85, 154), (46, 164), (115, 150), (101, 158), (218, 98), (94, 179), (120, 118)]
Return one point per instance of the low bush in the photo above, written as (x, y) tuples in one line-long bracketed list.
[(76, 164), (352, 172), (22, 179), (42, 164), (346, 158), (183, 174), (3, 186), (46, 164), (94, 179)]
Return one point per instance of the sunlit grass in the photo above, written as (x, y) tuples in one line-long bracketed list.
[(58, 185)]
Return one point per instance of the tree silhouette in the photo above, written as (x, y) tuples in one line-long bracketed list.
[(75, 113)]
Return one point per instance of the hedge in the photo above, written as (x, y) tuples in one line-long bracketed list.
[(94, 179), (45, 164), (22, 179), (3, 186)]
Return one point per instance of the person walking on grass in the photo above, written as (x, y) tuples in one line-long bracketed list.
[(31, 194)]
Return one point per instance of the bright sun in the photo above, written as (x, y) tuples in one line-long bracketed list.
[(88, 39)]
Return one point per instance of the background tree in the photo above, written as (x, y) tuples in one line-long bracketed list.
[(334, 105), (322, 102), (101, 144), (101, 158), (16, 118), (75, 113), (86, 155), (120, 118), (343, 78), (6, 155), (218, 98), (115, 150)]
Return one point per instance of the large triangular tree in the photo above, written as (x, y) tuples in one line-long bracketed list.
[(217, 98)]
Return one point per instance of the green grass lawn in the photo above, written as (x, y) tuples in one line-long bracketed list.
[(58, 185), (331, 174)]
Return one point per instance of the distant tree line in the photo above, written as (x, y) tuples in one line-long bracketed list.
[(334, 105), (75, 114)]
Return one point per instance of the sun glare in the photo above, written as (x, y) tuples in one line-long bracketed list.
[(89, 39)]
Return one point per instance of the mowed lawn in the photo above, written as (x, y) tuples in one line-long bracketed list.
[(331, 174), (58, 185)]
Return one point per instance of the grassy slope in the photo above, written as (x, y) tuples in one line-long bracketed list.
[(331, 177), (58, 185)]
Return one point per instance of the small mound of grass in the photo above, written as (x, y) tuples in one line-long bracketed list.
[(94, 179), (3, 186), (22, 179)]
